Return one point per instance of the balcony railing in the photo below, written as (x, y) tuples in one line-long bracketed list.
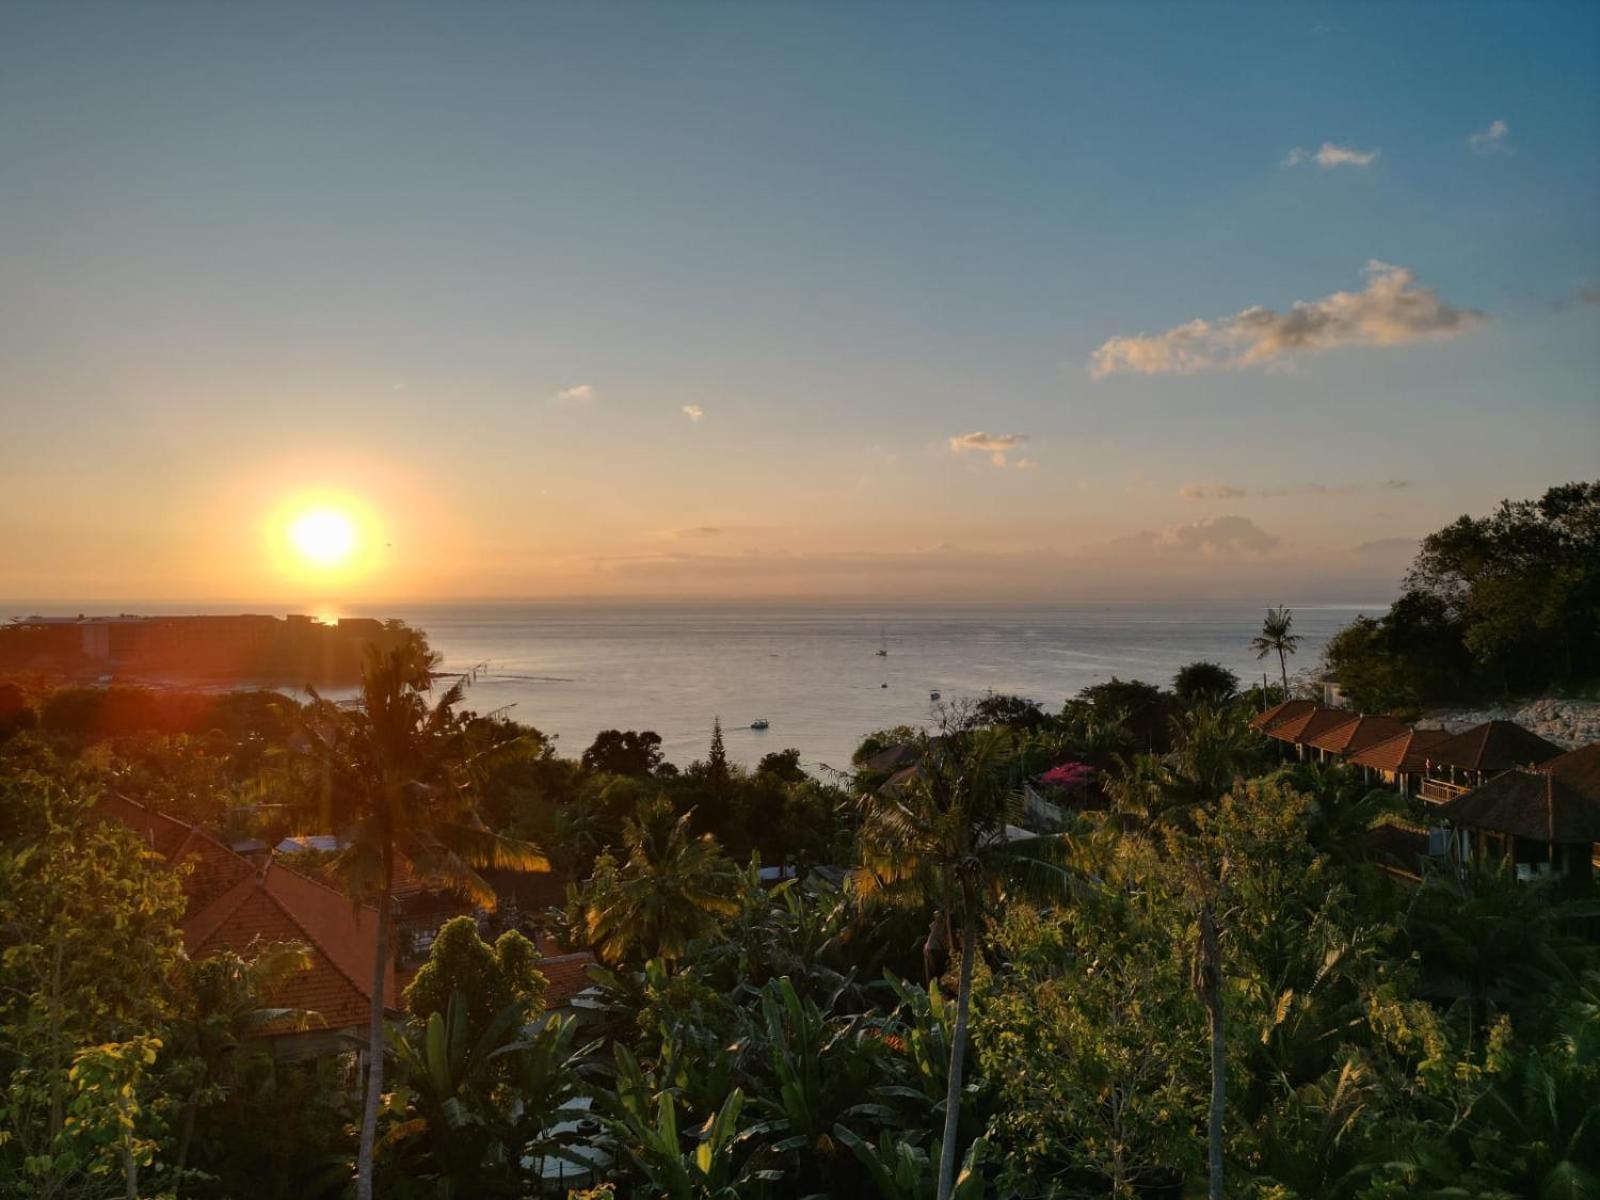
[(1437, 791)]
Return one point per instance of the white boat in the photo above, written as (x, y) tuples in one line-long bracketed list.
[(760, 723)]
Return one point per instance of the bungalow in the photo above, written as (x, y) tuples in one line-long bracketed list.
[(1281, 712), (1455, 765), (1399, 761), (1300, 730), (1346, 739), (1545, 819)]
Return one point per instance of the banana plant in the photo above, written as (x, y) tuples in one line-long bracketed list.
[(902, 1170), (445, 1127), (822, 1067), (720, 1165)]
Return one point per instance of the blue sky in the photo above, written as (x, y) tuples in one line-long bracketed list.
[(257, 253)]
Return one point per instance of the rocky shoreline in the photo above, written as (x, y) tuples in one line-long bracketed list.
[(1567, 723)]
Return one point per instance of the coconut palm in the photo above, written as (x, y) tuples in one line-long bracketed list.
[(939, 838), (1275, 638), (394, 776), (670, 889)]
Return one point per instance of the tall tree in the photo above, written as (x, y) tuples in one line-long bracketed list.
[(1276, 638), (395, 774), (939, 839)]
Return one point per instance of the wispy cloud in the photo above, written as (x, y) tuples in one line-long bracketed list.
[(577, 394), (1213, 536), (1396, 485), (694, 412), (1391, 310), (995, 445), (1588, 295), (1494, 140), (1330, 155), (1211, 491), (1311, 489)]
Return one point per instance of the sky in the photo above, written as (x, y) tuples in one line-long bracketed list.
[(893, 302)]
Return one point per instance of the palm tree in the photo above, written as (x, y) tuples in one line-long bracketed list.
[(672, 888), (1275, 638), (395, 775), (939, 839)]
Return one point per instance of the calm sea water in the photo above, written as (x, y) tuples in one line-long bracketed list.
[(814, 673)]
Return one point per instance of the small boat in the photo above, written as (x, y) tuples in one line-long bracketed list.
[(760, 723), (883, 644), (933, 695), (883, 685)]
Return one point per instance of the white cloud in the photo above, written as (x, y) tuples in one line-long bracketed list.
[(1328, 155), (1026, 464), (694, 412), (1211, 491), (1493, 140), (995, 445), (1390, 311), (577, 394)]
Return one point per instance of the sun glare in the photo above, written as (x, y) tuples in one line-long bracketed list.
[(323, 537)]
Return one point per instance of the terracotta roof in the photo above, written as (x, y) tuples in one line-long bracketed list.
[(1558, 802), (1300, 729), (1404, 753), (565, 976), (1353, 736), (272, 904), (1282, 711), (1492, 746), (893, 758)]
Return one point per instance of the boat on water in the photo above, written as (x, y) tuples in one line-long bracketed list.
[(933, 695), (883, 643), (760, 723)]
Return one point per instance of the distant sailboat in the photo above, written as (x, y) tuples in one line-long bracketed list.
[(883, 643)]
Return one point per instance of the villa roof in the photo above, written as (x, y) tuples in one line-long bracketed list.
[(1404, 753), (565, 976), (1492, 746), (1357, 735), (893, 758), (1280, 712), (1558, 802), (233, 905), (1307, 725)]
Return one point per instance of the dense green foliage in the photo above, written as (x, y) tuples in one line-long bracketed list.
[(742, 1037), (1507, 604)]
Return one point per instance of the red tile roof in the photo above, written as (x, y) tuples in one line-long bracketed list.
[(1302, 728), (1492, 746), (1404, 753), (272, 904), (1353, 736), (1280, 712), (565, 976)]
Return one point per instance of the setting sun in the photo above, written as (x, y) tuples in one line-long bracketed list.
[(323, 537)]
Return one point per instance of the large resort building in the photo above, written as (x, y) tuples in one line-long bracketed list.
[(1495, 792)]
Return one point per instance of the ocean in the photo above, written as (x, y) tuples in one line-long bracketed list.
[(813, 673)]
